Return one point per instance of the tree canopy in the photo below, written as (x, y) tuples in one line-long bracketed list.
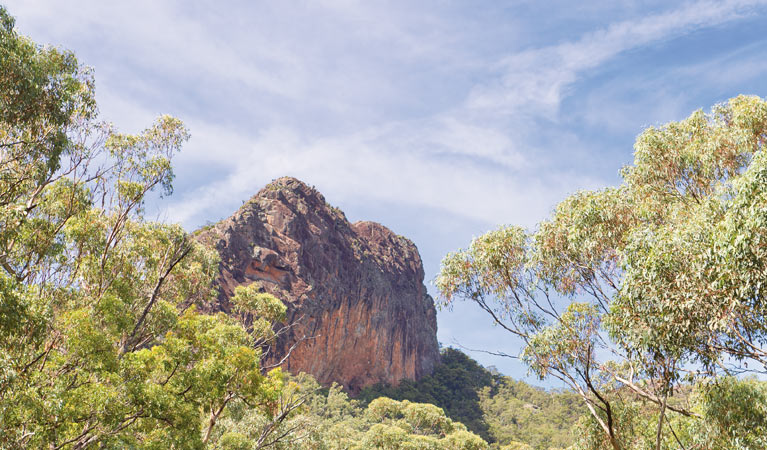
[(646, 286), (497, 408), (329, 420), (100, 341)]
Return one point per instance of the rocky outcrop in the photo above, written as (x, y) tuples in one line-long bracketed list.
[(355, 292)]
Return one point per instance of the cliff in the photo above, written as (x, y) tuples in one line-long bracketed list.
[(354, 292)]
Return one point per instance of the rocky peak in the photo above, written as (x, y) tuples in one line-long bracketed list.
[(354, 291)]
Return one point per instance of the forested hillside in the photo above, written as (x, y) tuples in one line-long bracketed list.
[(328, 418), (496, 407)]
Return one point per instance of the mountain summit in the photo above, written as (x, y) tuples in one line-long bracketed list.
[(354, 292)]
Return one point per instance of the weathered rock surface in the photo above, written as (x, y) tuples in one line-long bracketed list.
[(355, 291)]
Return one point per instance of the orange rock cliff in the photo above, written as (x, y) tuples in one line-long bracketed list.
[(354, 292)]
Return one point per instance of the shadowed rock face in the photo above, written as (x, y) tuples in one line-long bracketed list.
[(355, 291)]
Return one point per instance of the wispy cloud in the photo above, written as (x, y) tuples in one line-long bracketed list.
[(379, 165), (466, 157), (343, 82), (536, 80)]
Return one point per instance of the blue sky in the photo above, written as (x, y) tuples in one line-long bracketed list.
[(439, 119)]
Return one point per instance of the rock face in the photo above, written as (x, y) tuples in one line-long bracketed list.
[(354, 291)]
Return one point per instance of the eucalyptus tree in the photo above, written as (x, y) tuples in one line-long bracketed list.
[(100, 341), (639, 288)]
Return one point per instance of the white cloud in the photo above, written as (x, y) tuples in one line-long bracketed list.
[(473, 158), (326, 63), (159, 37), (372, 165)]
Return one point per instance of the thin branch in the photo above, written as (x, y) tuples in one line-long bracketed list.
[(496, 353), (153, 298)]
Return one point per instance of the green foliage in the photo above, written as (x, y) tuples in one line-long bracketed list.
[(329, 419), (571, 340), (735, 412), (729, 414), (692, 283), (454, 386), (497, 408), (663, 272), (528, 416), (100, 342), (260, 309), (42, 92)]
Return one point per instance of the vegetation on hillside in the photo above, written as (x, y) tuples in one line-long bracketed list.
[(517, 412), (329, 419), (498, 408), (454, 385)]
